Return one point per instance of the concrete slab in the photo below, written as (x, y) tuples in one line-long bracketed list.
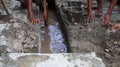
[(53, 60)]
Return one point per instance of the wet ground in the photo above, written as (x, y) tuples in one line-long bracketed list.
[(19, 35)]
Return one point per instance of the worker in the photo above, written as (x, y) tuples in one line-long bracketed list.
[(27, 4), (106, 17)]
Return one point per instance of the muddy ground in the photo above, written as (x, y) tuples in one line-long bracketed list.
[(93, 37), (80, 38)]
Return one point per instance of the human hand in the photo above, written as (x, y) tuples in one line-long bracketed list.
[(106, 19), (89, 17), (116, 27)]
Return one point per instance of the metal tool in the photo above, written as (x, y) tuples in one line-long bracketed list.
[(4, 4)]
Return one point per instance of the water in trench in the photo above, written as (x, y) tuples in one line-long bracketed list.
[(52, 36), (57, 42)]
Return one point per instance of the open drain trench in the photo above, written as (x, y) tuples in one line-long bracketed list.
[(52, 37), (65, 33)]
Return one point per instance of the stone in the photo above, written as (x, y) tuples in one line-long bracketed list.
[(2, 27), (3, 40), (108, 56), (115, 65), (107, 50)]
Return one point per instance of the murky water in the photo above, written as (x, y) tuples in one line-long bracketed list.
[(57, 42)]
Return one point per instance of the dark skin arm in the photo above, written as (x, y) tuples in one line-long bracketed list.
[(30, 12), (99, 10), (31, 15), (45, 11), (89, 16), (106, 18)]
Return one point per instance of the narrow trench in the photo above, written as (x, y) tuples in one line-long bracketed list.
[(53, 17)]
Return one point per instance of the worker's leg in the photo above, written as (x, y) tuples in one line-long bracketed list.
[(89, 15), (30, 12), (100, 8), (45, 11)]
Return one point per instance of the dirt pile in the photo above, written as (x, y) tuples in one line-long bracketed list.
[(92, 37)]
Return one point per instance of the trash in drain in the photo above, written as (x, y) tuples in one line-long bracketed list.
[(57, 43)]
